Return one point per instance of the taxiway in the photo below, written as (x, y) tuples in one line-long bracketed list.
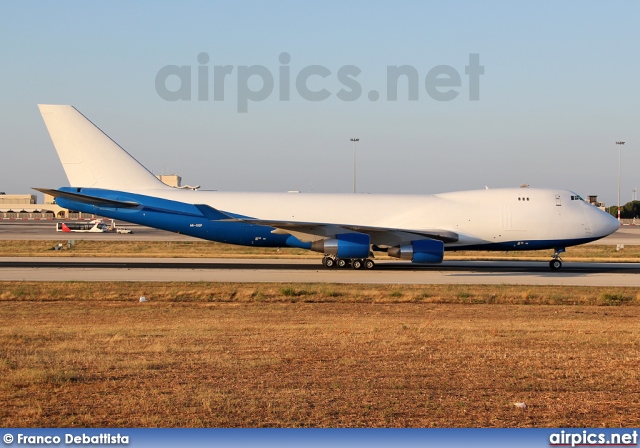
[(311, 271)]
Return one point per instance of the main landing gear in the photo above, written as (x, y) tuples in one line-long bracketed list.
[(356, 263), (556, 263)]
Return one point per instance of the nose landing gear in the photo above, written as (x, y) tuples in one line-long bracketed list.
[(556, 263)]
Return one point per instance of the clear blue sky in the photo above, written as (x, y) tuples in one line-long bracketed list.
[(560, 86)]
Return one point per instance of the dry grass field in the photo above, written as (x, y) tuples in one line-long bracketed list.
[(249, 355)]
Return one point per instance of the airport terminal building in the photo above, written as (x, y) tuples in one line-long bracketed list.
[(25, 206)]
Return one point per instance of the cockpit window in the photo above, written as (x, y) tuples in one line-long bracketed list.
[(576, 198)]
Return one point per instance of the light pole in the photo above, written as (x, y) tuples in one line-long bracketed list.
[(619, 163), (354, 140)]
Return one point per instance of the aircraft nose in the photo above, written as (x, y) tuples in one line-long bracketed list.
[(603, 223)]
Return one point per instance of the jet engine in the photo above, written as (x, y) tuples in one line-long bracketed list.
[(345, 245), (420, 251)]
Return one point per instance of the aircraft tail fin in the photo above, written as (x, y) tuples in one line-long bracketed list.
[(89, 157)]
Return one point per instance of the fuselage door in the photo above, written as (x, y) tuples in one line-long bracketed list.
[(558, 201)]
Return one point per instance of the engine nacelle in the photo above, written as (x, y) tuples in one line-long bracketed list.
[(345, 245), (421, 251)]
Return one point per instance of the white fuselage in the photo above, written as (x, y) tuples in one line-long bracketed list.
[(478, 217)]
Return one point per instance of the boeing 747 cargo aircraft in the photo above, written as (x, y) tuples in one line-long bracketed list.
[(347, 228)]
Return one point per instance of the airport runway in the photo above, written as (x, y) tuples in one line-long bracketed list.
[(311, 271), (272, 270)]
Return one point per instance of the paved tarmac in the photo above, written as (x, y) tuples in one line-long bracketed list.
[(311, 271), (46, 230), (272, 270)]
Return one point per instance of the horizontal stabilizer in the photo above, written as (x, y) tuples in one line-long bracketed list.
[(85, 199)]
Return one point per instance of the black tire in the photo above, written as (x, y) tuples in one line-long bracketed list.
[(555, 264), (369, 264), (329, 262), (357, 264), (341, 263)]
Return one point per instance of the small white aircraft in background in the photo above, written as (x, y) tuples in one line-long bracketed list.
[(347, 228), (93, 226)]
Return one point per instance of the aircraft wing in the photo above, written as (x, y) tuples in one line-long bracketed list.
[(380, 236)]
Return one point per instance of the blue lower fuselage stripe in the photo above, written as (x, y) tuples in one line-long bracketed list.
[(182, 218)]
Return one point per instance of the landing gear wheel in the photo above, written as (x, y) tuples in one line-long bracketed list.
[(555, 264), (341, 262), (357, 264), (328, 262), (369, 264)]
